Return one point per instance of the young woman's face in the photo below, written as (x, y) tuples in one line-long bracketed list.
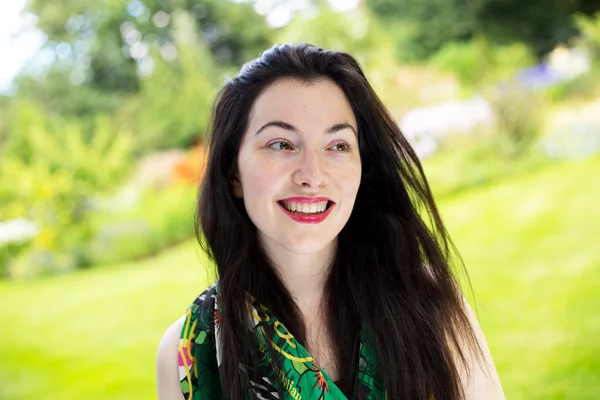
[(299, 166)]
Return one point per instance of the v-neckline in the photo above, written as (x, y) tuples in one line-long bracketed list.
[(299, 358), (297, 371)]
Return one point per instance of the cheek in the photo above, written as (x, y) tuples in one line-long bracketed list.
[(258, 178), (350, 179), (258, 186)]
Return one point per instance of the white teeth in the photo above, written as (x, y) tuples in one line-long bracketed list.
[(305, 208)]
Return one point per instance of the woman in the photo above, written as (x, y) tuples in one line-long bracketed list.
[(331, 284)]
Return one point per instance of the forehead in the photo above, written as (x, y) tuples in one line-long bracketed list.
[(312, 104)]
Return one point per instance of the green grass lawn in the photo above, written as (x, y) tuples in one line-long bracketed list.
[(531, 244)]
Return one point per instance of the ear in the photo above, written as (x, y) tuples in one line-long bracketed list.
[(236, 187)]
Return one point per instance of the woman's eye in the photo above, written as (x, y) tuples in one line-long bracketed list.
[(281, 146), (341, 147)]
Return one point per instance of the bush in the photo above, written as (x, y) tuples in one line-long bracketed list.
[(478, 63), (520, 117), (15, 235), (476, 158), (589, 29), (583, 87), (159, 219), (50, 170)]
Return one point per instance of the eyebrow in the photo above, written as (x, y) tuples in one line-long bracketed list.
[(289, 127)]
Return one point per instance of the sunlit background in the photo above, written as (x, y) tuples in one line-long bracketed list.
[(103, 114)]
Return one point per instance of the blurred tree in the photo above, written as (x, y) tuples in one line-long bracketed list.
[(362, 34), (108, 46), (357, 32), (589, 28), (478, 62), (428, 24), (173, 105), (540, 24), (59, 96)]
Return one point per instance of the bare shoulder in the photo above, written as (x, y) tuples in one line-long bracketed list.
[(167, 370), (482, 381)]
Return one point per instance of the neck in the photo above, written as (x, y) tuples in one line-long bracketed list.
[(304, 275)]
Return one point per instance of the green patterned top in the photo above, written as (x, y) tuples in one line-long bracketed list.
[(295, 377)]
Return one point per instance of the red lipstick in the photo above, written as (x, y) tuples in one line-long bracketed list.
[(305, 218), (309, 200)]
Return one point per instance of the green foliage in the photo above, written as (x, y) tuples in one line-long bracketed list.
[(104, 42), (59, 96), (55, 173), (58, 143), (478, 62), (589, 29), (8, 251), (474, 159), (582, 87), (509, 59), (4, 119), (432, 23), (480, 66), (139, 231), (154, 65), (466, 60), (97, 157), (520, 116), (51, 169), (234, 32), (172, 108), (89, 29), (539, 24), (358, 33)]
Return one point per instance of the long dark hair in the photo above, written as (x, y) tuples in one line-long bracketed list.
[(392, 266)]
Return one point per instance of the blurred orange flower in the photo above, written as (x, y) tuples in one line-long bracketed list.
[(191, 169)]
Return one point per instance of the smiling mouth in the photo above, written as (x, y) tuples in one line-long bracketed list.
[(298, 208)]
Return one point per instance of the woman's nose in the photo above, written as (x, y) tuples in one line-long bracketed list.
[(310, 172)]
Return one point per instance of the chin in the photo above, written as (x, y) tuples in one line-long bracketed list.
[(301, 244), (306, 247)]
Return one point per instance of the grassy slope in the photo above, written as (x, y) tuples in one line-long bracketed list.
[(532, 248), (531, 245), (93, 334)]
